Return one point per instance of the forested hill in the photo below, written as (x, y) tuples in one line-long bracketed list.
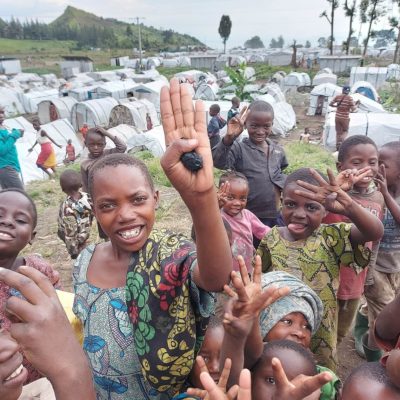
[(90, 30)]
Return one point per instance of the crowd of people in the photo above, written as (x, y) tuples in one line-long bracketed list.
[(279, 269)]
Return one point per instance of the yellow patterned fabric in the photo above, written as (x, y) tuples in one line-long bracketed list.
[(169, 313), (316, 261)]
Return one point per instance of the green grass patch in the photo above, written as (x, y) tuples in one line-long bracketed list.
[(170, 72), (51, 69), (14, 46), (301, 155)]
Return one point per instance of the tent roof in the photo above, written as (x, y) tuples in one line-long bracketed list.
[(326, 89)]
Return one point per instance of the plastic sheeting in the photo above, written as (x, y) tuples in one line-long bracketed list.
[(381, 128), (285, 118), (376, 76), (51, 110), (30, 100), (320, 97), (366, 89), (324, 78), (10, 102)]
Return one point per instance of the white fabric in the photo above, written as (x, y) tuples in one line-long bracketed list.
[(376, 76), (63, 106)]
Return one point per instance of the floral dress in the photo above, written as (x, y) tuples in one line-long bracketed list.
[(316, 260)]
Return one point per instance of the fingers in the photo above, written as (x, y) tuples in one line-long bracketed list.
[(232, 393), (200, 125), (243, 115), (223, 379), (240, 288), (167, 115), (228, 290), (40, 279), (8, 346), (197, 393), (187, 107), (331, 176), (308, 186), (321, 181), (201, 364), (309, 195), (273, 294), (174, 152), (213, 390), (244, 273), (175, 93), (257, 270), (308, 385), (244, 385), (281, 380), (20, 309)]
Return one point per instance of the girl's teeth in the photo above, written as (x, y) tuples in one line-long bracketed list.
[(130, 234), (15, 373), (5, 235)]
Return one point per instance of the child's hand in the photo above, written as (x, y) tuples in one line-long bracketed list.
[(381, 181), (250, 300), (300, 387), (330, 195), (236, 126), (220, 388), (348, 178), (222, 194), (185, 130)]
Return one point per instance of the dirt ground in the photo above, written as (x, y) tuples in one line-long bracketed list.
[(172, 214)]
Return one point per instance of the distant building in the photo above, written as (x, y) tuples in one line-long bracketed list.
[(72, 65), (339, 64), (207, 61), (119, 61), (9, 66)]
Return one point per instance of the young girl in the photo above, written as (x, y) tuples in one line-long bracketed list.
[(257, 157), (18, 218), (232, 195), (143, 296), (47, 160), (313, 252)]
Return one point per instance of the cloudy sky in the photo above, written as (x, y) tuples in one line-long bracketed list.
[(294, 19)]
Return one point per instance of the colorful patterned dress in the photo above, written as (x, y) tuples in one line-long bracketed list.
[(316, 261)]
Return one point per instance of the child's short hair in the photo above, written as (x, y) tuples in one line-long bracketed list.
[(93, 131), (302, 174), (394, 146), (373, 371), (215, 108), (70, 181), (26, 195), (115, 160), (272, 347), (351, 142), (231, 175), (261, 105), (69, 141), (235, 100)]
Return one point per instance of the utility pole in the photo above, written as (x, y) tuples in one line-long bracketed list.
[(140, 40)]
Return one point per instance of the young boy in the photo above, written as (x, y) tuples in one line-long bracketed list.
[(70, 156), (358, 154), (257, 157), (95, 141), (234, 110), (216, 123), (75, 215)]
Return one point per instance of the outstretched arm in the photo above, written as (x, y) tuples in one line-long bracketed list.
[(185, 131), (44, 133)]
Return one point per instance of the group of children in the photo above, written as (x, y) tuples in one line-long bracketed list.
[(146, 297)]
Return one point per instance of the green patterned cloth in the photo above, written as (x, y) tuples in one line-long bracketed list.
[(316, 261), (331, 390)]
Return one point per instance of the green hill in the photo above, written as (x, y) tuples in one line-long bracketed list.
[(85, 25)]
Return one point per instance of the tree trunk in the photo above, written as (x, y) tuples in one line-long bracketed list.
[(371, 21), (224, 46), (332, 24), (396, 51), (350, 33)]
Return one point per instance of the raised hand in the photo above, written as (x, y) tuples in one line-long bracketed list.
[(299, 388), (185, 131), (220, 388), (348, 178), (222, 193), (235, 126), (381, 181), (330, 195)]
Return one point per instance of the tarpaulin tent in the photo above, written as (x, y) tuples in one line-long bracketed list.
[(30, 100), (82, 93), (324, 78), (376, 76), (274, 90), (116, 89), (51, 110), (10, 102), (295, 80), (150, 91), (366, 89), (320, 97)]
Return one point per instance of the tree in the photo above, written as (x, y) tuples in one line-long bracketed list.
[(322, 42), (308, 44), (239, 79), (294, 47), (371, 11), (334, 5), (395, 24), (278, 43), (350, 11), (254, 43), (129, 31), (383, 37), (224, 29)]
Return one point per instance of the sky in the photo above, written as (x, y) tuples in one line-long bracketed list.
[(294, 19)]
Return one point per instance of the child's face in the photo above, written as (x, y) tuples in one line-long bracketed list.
[(259, 126), (367, 389), (210, 351), (36, 125), (301, 216), (387, 158), (16, 223), (124, 205), (358, 157), (263, 382), (235, 104), (95, 143), (236, 198), (293, 326)]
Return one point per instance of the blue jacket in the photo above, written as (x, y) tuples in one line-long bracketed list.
[(8, 151)]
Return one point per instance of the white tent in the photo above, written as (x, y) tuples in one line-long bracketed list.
[(324, 78), (150, 91), (265, 97), (206, 92), (170, 62), (82, 93), (284, 118), (295, 80), (256, 58), (81, 79), (153, 62), (380, 127), (51, 110), (274, 90), (129, 113), (106, 76), (184, 61), (61, 131), (366, 89), (393, 72), (367, 105), (151, 110), (320, 97), (116, 89), (10, 102), (30, 100), (376, 76), (92, 112), (324, 71)]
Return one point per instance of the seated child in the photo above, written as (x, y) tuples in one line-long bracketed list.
[(214, 125), (75, 216), (305, 136), (95, 141), (369, 382), (313, 252), (18, 219), (145, 291), (234, 110), (232, 194)]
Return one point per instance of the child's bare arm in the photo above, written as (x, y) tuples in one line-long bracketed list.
[(185, 131), (366, 227), (390, 202), (387, 324), (119, 144)]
